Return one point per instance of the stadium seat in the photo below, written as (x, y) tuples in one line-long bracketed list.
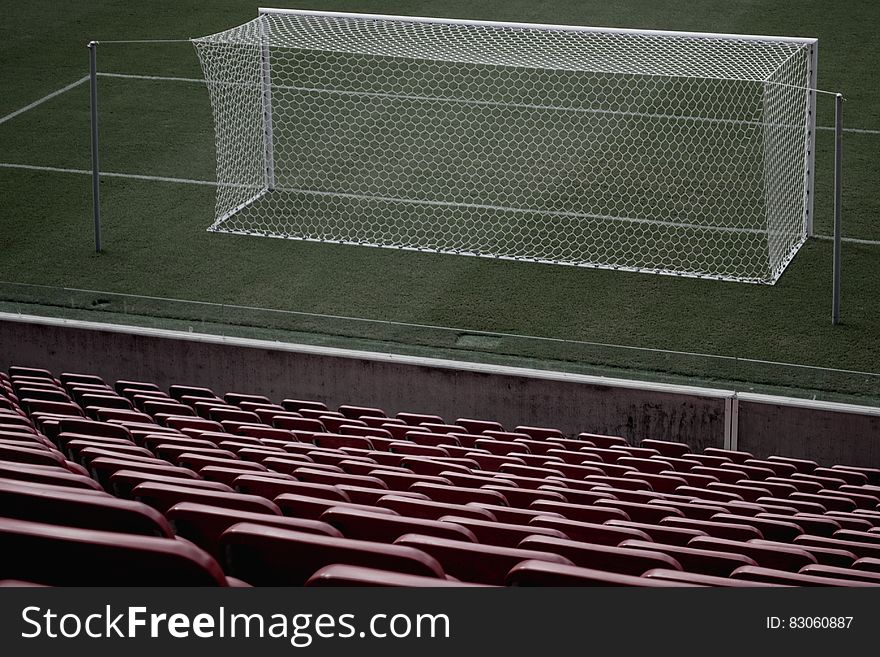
[(704, 562), (472, 562), (270, 556), (543, 573), (788, 558), (204, 525), (343, 575), (769, 575), (163, 496), (66, 556), (387, 528)]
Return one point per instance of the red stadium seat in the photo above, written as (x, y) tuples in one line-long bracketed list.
[(65, 556), (472, 562), (543, 573), (270, 556)]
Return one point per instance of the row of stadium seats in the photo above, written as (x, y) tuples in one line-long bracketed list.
[(127, 484)]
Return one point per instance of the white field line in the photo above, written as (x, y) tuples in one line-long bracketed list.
[(864, 131), (43, 99), (211, 183), (108, 174)]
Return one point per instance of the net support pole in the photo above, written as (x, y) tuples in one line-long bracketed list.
[(838, 153), (93, 102), (266, 80)]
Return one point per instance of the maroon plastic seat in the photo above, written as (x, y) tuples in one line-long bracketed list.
[(371, 496), (79, 450), (589, 532), (103, 467), (524, 498), (867, 563), (771, 529), (856, 520), (683, 577), (574, 495), (318, 476), (204, 525), (387, 528), (540, 433), (171, 452), (270, 556), (458, 494), (47, 474), (402, 481), (662, 483), (36, 455), (789, 558), (84, 509), (66, 556), (123, 482), (661, 533), (436, 466), (726, 530), (859, 548), (616, 559), (581, 512), (773, 576), (312, 508), (666, 447), (32, 406), (823, 555), (300, 404), (418, 418), (474, 562), (414, 508), (345, 575), (162, 497), (812, 523), (704, 562), (227, 475), (500, 533), (649, 513), (415, 449), (841, 573), (542, 573), (694, 510), (271, 487)]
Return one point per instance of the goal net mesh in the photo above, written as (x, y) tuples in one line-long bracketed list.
[(637, 151)]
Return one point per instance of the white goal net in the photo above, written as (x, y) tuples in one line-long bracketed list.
[(674, 153)]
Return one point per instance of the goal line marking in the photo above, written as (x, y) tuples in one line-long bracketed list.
[(211, 183), (42, 100)]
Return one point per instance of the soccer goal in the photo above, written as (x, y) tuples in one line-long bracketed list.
[(666, 152)]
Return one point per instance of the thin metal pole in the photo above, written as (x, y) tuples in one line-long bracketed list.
[(838, 147), (268, 133), (96, 182)]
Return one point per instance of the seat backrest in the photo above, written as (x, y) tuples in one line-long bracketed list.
[(204, 525), (85, 509), (271, 556), (65, 556), (615, 559), (542, 573), (163, 496), (473, 562), (387, 528)]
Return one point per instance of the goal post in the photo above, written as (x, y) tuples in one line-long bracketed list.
[(642, 150)]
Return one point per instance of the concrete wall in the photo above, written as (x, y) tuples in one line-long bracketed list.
[(828, 433), (450, 389)]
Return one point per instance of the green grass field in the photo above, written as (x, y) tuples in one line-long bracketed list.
[(157, 246)]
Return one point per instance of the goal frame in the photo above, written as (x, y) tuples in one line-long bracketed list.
[(809, 124)]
